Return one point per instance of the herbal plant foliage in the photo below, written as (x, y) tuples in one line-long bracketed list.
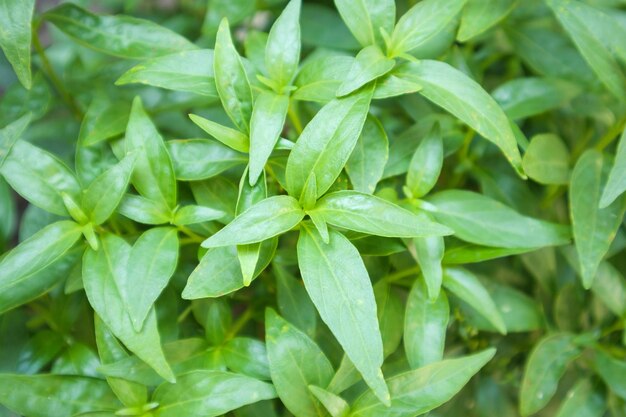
[(312, 208)]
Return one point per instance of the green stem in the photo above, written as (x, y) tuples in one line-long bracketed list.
[(238, 325), (52, 75), (397, 276), (295, 118), (611, 135)]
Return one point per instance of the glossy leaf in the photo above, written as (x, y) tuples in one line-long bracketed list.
[(143, 210), (452, 90), (122, 36), (105, 193), (28, 270), (268, 218), (320, 76), (293, 301), (594, 228), (478, 219), (421, 390), (367, 161), (154, 175), (364, 18), (229, 137), (326, 143), (547, 160), (425, 165), (616, 182), (189, 71), (282, 51), (425, 325), (423, 22), (481, 15), (103, 120), (199, 159), (335, 405), (266, 125), (465, 285), (15, 37), (151, 264), (10, 134), (339, 286), (231, 80), (373, 215), (544, 369), (39, 177), (295, 363), (369, 64), (58, 395), (209, 393), (106, 283)]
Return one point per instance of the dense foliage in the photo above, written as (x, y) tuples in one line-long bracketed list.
[(359, 208)]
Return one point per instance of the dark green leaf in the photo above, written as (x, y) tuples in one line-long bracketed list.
[(616, 183), (10, 134), (369, 157), (15, 36), (198, 159)]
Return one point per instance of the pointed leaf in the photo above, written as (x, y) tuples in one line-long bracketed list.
[(594, 228), (326, 143), (339, 286), (429, 252), (266, 125), (209, 393), (334, 404), (229, 137), (15, 36), (373, 215), (199, 159), (419, 391), (282, 51), (481, 15), (268, 218), (295, 363), (104, 274), (10, 134), (369, 157), (616, 183), (425, 165), (369, 64), (365, 18), (584, 400)]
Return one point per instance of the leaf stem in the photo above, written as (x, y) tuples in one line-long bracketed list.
[(238, 325), (295, 118), (52, 75)]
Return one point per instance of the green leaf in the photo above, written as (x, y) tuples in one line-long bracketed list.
[(266, 125), (190, 71), (366, 19), (196, 214), (39, 177), (54, 395), (452, 90), (525, 97), (282, 51), (465, 285), (268, 218), (578, 21), (295, 363), (594, 228), (339, 286), (10, 134), (320, 76), (611, 371), (425, 165), (369, 64), (610, 287), (478, 219), (326, 143), (106, 282), (219, 271), (369, 157), (429, 253), (583, 400), (15, 36), (390, 313), (423, 22), (209, 393), (105, 193), (481, 15), (544, 369), (143, 210), (123, 36), (421, 390), (229, 137), (151, 264), (247, 356), (30, 269), (153, 176), (425, 326), (105, 119), (199, 159), (293, 301), (231, 80), (616, 183), (547, 160), (111, 350), (373, 215), (334, 404)]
